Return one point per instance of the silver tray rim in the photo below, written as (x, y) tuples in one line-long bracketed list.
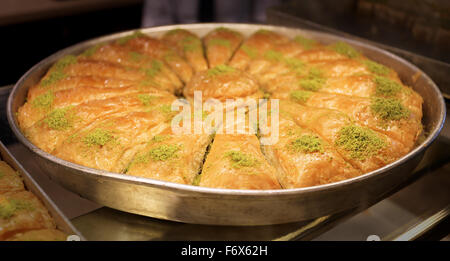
[(62, 222), (75, 49)]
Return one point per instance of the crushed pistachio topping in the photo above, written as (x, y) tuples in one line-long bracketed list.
[(305, 42), (376, 68), (300, 96), (389, 109), (165, 108), (273, 56), (159, 138), (307, 144), (361, 142), (9, 207), (220, 69), (98, 137), (218, 41), (57, 70), (127, 38), (1, 174), (386, 87), (91, 50), (314, 81), (345, 49), (197, 180), (153, 68), (191, 43), (239, 159), (146, 99), (249, 51), (160, 153), (59, 119), (294, 64), (44, 101), (147, 83), (135, 56)]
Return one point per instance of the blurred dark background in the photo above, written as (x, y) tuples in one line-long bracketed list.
[(33, 29)]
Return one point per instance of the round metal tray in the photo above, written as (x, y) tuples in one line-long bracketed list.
[(200, 205)]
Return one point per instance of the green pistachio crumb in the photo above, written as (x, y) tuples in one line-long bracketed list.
[(127, 38), (153, 68), (92, 50), (191, 43), (159, 138), (300, 96), (249, 51), (59, 119), (305, 42), (218, 41), (389, 109), (307, 144), (146, 99), (9, 207), (166, 108), (345, 49), (386, 87), (273, 56), (57, 71), (161, 153), (197, 180), (135, 56), (360, 142), (239, 159), (99, 137), (220, 69), (376, 68), (44, 101), (314, 81)]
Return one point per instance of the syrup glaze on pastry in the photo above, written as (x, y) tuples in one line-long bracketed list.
[(340, 113)]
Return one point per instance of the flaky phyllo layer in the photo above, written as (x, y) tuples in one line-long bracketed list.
[(338, 114)]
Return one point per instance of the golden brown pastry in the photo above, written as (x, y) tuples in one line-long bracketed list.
[(362, 147), (220, 45), (71, 82), (385, 115), (282, 58), (44, 104), (255, 46), (40, 235), (20, 212), (60, 123), (111, 142), (236, 162), (223, 82), (82, 66), (171, 157), (341, 114), (10, 180), (365, 85), (303, 158), (154, 68), (187, 45), (158, 49)]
